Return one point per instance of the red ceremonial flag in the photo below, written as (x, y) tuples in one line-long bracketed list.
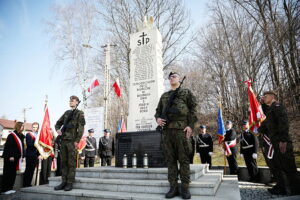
[(44, 139), (94, 84), (256, 115), (117, 88), (82, 143)]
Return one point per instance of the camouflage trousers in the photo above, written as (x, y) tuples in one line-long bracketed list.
[(177, 148), (68, 161)]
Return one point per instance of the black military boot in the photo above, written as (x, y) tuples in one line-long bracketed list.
[(68, 187), (60, 186), (185, 193), (173, 192), (277, 191)]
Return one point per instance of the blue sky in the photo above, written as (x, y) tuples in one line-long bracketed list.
[(26, 59)]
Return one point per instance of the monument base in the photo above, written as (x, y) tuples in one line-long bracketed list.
[(140, 143)]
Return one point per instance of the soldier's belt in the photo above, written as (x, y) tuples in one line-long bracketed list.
[(204, 145), (90, 149), (247, 147)]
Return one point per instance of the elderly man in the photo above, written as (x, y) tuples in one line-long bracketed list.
[(106, 149), (277, 126)]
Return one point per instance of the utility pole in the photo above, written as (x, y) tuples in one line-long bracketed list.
[(107, 81), (106, 77), (24, 113)]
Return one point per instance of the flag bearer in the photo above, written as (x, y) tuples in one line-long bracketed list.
[(249, 147), (204, 146)]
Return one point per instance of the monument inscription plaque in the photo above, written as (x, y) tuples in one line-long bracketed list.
[(140, 143)]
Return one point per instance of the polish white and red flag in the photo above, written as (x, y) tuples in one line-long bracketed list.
[(256, 115), (117, 87), (94, 84)]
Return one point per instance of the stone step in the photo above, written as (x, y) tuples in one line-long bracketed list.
[(228, 189), (204, 185), (135, 173), (47, 193)]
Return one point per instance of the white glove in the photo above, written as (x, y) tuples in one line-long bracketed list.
[(210, 153), (254, 156), (198, 154), (242, 155)]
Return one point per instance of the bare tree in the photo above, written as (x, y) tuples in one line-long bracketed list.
[(74, 24)]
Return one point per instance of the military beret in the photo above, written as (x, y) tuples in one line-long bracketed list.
[(245, 122), (229, 122), (202, 126), (270, 92), (91, 130), (106, 130), (172, 73), (74, 97)]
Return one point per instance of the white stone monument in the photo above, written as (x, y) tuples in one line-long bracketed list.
[(146, 77)]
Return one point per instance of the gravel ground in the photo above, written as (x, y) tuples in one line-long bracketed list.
[(259, 191)]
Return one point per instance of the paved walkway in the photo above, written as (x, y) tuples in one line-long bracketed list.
[(248, 191)]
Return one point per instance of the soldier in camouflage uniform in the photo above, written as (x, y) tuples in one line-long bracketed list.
[(277, 126), (176, 135), (70, 126)]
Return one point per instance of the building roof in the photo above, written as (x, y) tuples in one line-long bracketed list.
[(10, 124)]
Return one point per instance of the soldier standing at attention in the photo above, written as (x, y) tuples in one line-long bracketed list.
[(230, 146), (177, 130), (204, 145), (277, 125), (106, 148), (89, 151), (249, 148), (70, 126)]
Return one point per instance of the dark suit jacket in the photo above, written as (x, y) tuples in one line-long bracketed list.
[(106, 147), (229, 136), (90, 148), (31, 151), (11, 147)]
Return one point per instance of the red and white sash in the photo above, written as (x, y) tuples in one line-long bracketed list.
[(228, 145), (271, 149), (31, 135), (20, 147)]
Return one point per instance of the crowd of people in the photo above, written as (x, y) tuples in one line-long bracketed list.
[(176, 115), (63, 156)]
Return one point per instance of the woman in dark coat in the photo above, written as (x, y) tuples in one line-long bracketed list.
[(13, 154)]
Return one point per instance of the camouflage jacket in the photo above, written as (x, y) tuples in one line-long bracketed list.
[(276, 124), (185, 106), (75, 127)]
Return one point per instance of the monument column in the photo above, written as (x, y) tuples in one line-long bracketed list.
[(146, 79)]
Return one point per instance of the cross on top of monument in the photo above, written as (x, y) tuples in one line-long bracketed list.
[(147, 23)]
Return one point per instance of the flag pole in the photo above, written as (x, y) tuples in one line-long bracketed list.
[(38, 164), (220, 106), (77, 160)]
